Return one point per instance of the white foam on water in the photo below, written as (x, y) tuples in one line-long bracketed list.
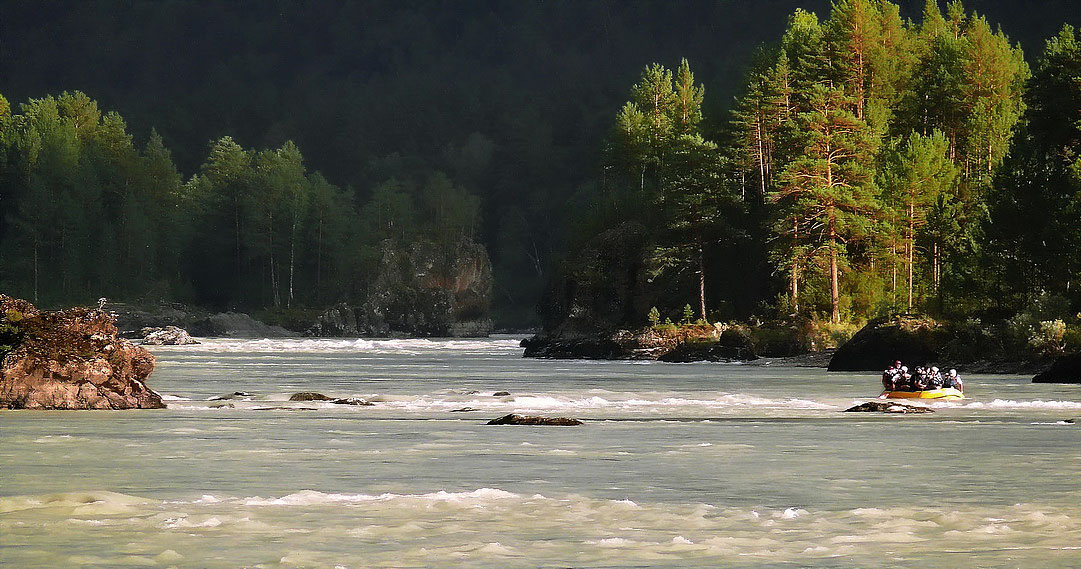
[(312, 497), (101, 500), (1013, 404), (488, 526), (406, 346)]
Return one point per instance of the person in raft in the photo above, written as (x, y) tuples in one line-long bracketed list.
[(897, 378), (892, 377), (953, 380)]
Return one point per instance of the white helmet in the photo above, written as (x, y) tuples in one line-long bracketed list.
[(934, 370), (953, 372), (904, 369)]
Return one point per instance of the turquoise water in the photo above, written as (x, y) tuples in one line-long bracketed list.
[(678, 465)]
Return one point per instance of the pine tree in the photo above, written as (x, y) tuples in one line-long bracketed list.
[(915, 175), (687, 108), (827, 192)]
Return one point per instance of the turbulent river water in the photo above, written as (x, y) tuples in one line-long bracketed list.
[(678, 465)]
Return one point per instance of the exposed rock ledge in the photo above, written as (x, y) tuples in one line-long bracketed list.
[(513, 419), (69, 359), (888, 407)]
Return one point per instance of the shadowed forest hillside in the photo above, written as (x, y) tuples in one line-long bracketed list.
[(255, 156)]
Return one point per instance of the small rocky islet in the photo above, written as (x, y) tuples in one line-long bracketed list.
[(70, 359)]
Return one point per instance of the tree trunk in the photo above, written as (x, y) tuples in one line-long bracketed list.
[(835, 293), (35, 272), (319, 260), (701, 279), (275, 288), (292, 259), (935, 276), (910, 246), (761, 159), (795, 265), (236, 223)]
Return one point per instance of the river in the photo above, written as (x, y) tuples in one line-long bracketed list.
[(678, 465)]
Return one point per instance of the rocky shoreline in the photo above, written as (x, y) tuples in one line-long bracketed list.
[(693, 344), (870, 350)]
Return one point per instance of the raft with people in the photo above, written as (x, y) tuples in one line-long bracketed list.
[(923, 383)]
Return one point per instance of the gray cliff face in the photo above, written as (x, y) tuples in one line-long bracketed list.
[(421, 290)]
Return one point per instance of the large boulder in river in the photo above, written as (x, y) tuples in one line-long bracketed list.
[(1066, 369), (422, 289), (167, 336), (69, 359), (913, 340), (236, 325)]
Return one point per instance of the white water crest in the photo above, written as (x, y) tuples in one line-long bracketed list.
[(403, 346), (677, 465)]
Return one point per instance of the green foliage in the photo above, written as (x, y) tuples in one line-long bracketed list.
[(688, 314), (654, 317), (1049, 338), (93, 215)]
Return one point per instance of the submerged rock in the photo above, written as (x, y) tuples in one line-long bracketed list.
[(233, 395), (352, 401), (309, 396), (167, 336), (1066, 369), (314, 396), (888, 407), (69, 359), (513, 419)]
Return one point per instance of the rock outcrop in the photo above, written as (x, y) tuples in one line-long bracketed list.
[(167, 336), (131, 319), (685, 344), (421, 290), (513, 419), (600, 290), (909, 339), (309, 396), (69, 359), (134, 319), (1065, 369), (313, 396), (888, 407), (236, 325)]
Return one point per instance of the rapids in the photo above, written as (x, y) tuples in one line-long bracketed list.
[(678, 465)]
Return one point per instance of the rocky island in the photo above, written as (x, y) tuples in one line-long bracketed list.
[(69, 359), (422, 289)]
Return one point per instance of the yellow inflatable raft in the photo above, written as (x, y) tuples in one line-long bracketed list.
[(943, 393)]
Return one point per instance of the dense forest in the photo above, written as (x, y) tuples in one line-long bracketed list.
[(874, 162), (872, 166), (252, 228)]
